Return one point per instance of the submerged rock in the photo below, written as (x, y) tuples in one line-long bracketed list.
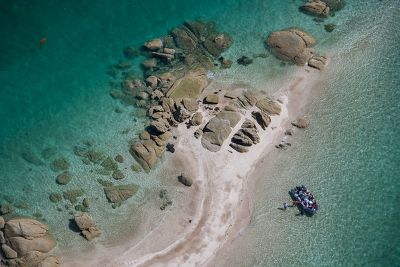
[(72, 195), (60, 164), (120, 193), (63, 178), (55, 197), (154, 45), (329, 27), (130, 52), (244, 60), (6, 208), (30, 157)]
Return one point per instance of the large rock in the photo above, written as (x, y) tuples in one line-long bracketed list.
[(185, 180), (120, 193), (63, 178), (211, 99), (239, 148), (160, 126), (145, 154), (154, 45), (25, 235), (317, 62), (183, 39), (215, 133), (316, 8), (251, 133), (262, 119), (181, 114), (190, 104), (292, 45), (87, 225), (301, 122), (241, 139), (231, 116), (196, 119), (268, 106), (8, 252), (2, 222), (218, 43)]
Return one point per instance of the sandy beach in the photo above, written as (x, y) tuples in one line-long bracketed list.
[(220, 200)]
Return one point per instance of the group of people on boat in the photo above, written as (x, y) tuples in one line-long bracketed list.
[(305, 197)]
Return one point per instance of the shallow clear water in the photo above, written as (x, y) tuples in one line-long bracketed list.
[(58, 97)]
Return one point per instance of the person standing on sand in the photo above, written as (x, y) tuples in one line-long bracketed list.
[(285, 205)]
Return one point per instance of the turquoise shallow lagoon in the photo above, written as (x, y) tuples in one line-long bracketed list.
[(58, 97)]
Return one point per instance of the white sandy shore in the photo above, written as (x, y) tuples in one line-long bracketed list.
[(221, 202)]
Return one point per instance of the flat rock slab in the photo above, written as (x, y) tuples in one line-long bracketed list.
[(215, 133), (188, 87)]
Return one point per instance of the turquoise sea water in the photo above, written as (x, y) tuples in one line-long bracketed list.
[(58, 97)]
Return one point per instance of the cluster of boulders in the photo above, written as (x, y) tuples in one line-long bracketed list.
[(25, 242), (295, 46), (245, 137), (86, 225), (175, 74), (219, 127)]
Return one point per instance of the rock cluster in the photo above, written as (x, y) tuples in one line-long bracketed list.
[(175, 75), (245, 137), (86, 225), (25, 242)]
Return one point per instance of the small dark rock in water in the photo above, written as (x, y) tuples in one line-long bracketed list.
[(163, 193), (86, 202), (72, 195), (170, 148), (329, 27), (185, 180), (225, 63), (63, 178), (48, 153), (5, 209), (130, 52), (109, 164), (118, 175), (136, 168), (318, 20), (244, 61), (60, 164), (118, 110), (119, 158), (104, 182), (55, 197), (80, 208), (30, 156)]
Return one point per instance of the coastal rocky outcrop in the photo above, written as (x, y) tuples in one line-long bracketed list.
[(86, 225), (25, 242), (292, 45), (295, 46)]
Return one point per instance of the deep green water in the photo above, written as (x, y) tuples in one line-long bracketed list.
[(58, 97)]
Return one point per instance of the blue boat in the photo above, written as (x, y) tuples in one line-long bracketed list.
[(304, 200)]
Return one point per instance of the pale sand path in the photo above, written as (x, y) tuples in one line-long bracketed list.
[(221, 205)]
